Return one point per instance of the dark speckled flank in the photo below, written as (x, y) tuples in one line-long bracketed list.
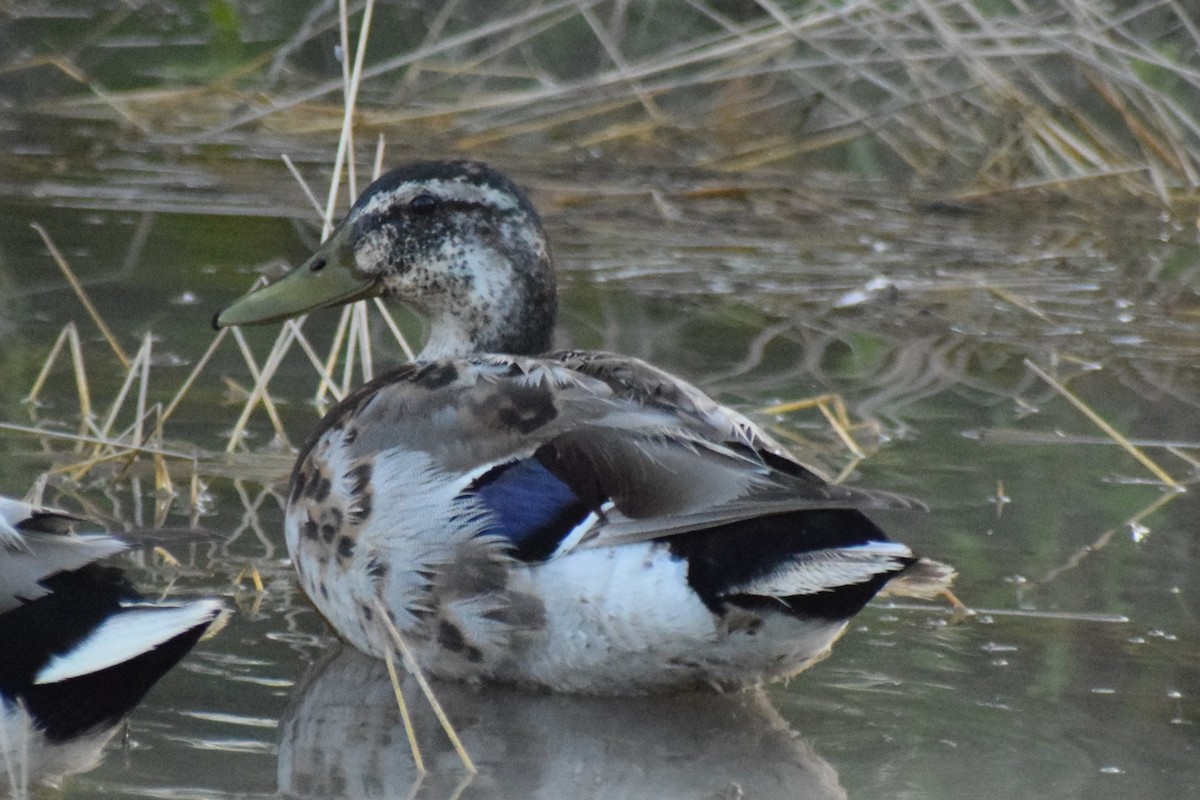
[(331, 528), (362, 495), (451, 637), (321, 526), (341, 417), (310, 483)]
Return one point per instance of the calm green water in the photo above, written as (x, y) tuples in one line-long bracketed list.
[(1080, 676)]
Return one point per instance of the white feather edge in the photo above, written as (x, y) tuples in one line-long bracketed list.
[(825, 570), (135, 629)]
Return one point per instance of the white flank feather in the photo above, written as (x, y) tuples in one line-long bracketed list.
[(136, 629)]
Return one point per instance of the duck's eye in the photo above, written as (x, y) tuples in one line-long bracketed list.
[(317, 265), (423, 204)]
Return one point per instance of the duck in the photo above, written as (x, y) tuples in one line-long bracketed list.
[(79, 646), (572, 521)]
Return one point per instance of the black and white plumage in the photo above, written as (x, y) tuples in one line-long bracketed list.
[(576, 520), (79, 648)]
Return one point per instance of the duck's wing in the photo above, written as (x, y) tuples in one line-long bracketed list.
[(37, 542), (580, 449), (85, 655), (78, 645), (636, 381)]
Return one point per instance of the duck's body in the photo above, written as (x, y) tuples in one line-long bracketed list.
[(576, 521), (79, 647)]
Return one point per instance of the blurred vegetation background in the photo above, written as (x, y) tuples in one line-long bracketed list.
[(962, 97)]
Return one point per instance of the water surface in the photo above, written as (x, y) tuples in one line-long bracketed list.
[(1079, 676)]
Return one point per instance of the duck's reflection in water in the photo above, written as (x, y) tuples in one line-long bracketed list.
[(342, 737)]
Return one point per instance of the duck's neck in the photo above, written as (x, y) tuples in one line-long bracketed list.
[(497, 302)]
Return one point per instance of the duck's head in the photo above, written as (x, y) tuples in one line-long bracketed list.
[(456, 239)]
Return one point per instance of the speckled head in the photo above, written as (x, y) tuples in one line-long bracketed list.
[(456, 239)]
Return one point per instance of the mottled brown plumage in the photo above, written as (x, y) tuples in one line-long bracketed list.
[(577, 520)]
